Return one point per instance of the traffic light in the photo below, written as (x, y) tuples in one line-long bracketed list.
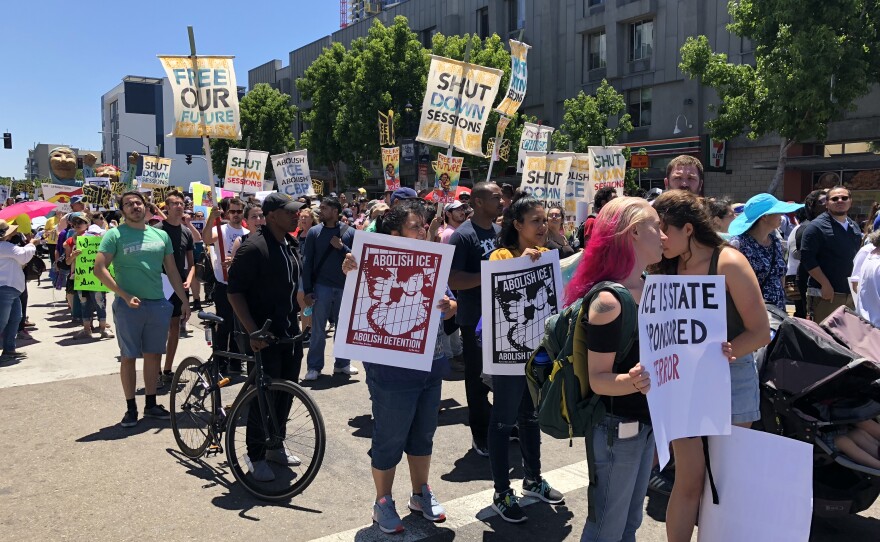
[(189, 159), (7, 140)]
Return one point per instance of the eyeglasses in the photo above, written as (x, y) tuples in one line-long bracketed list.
[(235, 211), (133, 203), (835, 199), (554, 217)]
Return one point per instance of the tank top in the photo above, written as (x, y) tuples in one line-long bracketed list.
[(735, 324)]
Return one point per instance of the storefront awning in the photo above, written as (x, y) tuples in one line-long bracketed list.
[(662, 147)]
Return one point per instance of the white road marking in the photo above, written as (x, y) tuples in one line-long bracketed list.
[(460, 512)]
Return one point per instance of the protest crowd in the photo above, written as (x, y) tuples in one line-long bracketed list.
[(170, 261)]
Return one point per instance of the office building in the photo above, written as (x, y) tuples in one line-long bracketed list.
[(37, 166)]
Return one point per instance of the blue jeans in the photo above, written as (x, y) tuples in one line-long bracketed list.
[(512, 405), (405, 415), (451, 344), (327, 303), (93, 302), (10, 316), (623, 470)]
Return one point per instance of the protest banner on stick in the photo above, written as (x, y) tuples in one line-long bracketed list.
[(534, 138), (516, 89), (391, 167), (388, 313), (157, 172), (576, 188), (607, 169), (545, 176), (518, 295), (447, 173), (292, 173), (84, 278), (682, 324)]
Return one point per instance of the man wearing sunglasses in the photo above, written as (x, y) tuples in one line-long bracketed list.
[(232, 210), (829, 245)]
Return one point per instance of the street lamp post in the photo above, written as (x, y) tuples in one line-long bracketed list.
[(127, 137)]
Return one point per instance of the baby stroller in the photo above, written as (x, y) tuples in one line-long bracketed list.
[(816, 380)]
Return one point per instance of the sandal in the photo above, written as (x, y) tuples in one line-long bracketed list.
[(82, 334), (107, 334)]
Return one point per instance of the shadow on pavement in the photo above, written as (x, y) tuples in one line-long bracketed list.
[(546, 522), (326, 382), (117, 432), (9, 362), (476, 467), (236, 497), (411, 522)]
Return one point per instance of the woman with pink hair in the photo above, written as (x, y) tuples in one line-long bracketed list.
[(626, 239)]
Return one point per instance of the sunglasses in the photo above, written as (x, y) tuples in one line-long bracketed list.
[(839, 198), (235, 211)]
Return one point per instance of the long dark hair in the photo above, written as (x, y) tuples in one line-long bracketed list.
[(394, 219), (677, 208), (508, 237)]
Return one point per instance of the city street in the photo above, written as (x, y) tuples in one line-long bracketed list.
[(74, 474)]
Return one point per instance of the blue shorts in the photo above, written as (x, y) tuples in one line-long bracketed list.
[(744, 394), (404, 418), (143, 330)]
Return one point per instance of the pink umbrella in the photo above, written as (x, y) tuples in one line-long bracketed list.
[(32, 209)]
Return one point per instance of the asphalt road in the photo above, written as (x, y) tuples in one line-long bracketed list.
[(73, 474)]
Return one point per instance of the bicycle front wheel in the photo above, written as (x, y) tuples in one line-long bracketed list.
[(292, 452), (192, 407)]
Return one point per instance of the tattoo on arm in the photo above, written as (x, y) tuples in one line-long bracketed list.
[(598, 306)]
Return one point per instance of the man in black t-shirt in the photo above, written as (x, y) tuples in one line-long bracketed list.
[(182, 242), (474, 240)]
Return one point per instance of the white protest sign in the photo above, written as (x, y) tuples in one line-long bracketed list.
[(682, 323), (60, 195), (518, 295), (607, 168), (458, 101), (213, 112), (519, 76), (576, 187), (544, 176), (245, 170), (534, 138), (262, 195), (388, 314), (157, 172), (292, 173), (765, 489)]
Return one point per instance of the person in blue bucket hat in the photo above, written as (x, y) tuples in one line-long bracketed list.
[(753, 234)]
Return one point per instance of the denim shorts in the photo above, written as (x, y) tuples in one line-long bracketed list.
[(744, 395), (404, 418), (143, 330)]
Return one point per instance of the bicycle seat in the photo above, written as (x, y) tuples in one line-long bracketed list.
[(210, 317)]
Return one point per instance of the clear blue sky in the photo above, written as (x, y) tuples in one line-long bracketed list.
[(58, 58)]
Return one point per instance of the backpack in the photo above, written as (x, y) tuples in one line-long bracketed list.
[(566, 405), (34, 268)]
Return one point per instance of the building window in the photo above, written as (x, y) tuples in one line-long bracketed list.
[(428, 36), (641, 40), (516, 14), (596, 51), (639, 106), (591, 3), (483, 23)]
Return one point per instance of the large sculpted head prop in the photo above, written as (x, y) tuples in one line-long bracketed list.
[(62, 165)]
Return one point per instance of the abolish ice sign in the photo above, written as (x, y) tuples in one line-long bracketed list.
[(682, 323)]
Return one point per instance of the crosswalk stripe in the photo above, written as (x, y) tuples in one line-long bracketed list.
[(462, 511)]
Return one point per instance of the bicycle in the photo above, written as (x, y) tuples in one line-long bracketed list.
[(199, 421)]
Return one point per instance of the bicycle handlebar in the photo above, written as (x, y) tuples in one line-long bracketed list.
[(263, 334)]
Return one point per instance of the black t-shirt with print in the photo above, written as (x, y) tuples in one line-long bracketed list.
[(473, 244), (181, 242)]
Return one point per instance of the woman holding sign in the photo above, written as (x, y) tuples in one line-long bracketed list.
[(693, 248), (523, 234), (91, 302), (405, 403), (625, 239)]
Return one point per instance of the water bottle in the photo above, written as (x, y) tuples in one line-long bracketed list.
[(541, 366), (307, 311)]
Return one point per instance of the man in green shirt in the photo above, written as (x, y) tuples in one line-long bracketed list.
[(140, 310)]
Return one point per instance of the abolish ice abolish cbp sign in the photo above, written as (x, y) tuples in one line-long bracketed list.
[(682, 324)]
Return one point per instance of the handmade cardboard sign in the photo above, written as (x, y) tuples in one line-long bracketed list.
[(292, 173)]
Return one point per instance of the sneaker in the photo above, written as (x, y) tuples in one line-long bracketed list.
[(428, 505), (79, 335), (659, 483), (158, 411), (542, 490), (482, 451), (312, 374), (385, 515), (28, 323), (282, 456), (106, 333), (23, 334), (261, 471), (347, 370), (507, 506), (130, 419), (14, 354), (167, 376)]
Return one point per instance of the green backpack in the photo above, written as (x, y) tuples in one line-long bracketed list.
[(566, 405)]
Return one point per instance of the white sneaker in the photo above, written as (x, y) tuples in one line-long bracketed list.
[(311, 374), (261, 471), (347, 370), (283, 457)]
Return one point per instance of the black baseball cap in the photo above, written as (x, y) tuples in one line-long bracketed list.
[(276, 201)]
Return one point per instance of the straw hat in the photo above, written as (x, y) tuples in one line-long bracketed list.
[(7, 229)]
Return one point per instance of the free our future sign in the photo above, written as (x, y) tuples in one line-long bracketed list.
[(205, 99), (682, 324)]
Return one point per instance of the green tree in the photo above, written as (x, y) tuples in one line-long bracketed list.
[(266, 116), (813, 59), (585, 120)]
